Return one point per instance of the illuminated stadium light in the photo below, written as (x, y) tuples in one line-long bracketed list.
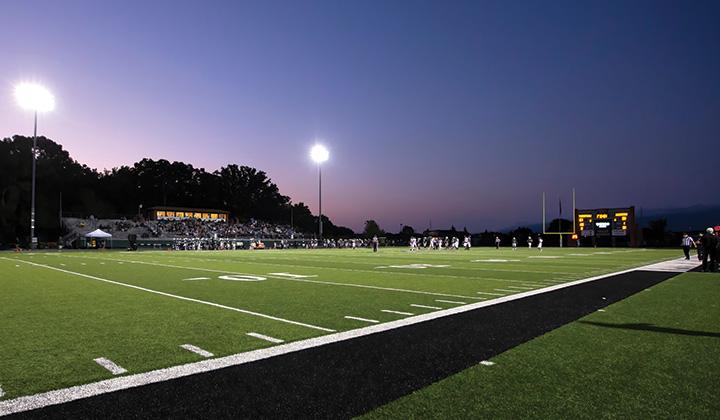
[(319, 153), (34, 97)]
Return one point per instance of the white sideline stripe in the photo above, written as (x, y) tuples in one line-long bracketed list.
[(266, 337), (217, 305), (451, 301), (520, 287), (197, 350), (487, 363), (197, 278), (110, 365), (60, 396), (425, 306), (506, 290), (396, 312), (364, 286), (374, 321)]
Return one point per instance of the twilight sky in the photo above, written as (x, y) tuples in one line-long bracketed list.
[(450, 111)]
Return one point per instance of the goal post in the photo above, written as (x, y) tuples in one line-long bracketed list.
[(559, 232)]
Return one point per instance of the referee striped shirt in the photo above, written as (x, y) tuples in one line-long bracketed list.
[(688, 241)]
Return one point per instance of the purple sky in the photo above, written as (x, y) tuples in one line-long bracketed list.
[(459, 112)]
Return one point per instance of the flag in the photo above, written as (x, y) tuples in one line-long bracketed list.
[(560, 205)]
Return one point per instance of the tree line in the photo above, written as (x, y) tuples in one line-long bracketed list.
[(82, 191)]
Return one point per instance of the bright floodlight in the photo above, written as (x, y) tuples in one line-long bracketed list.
[(33, 97), (319, 153)]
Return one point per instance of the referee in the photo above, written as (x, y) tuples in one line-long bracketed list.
[(687, 243)]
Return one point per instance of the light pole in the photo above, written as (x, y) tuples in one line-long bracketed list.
[(34, 97), (319, 154)]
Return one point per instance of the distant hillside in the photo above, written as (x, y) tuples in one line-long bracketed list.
[(680, 219)]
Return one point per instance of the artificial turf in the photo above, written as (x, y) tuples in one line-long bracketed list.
[(56, 322), (653, 355)]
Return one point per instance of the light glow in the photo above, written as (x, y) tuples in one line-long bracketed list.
[(34, 97), (319, 154)]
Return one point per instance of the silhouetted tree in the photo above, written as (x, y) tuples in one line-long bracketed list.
[(246, 192), (372, 229)]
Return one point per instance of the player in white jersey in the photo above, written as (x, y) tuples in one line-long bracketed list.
[(514, 244), (540, 241), (529, 241), (466, 243), (413, 244), (456, 243)]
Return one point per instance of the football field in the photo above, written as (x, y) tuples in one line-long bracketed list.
[(71, 318)]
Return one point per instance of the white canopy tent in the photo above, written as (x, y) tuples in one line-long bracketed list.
[(99, 234)]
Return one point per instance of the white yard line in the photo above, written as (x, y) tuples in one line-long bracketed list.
[(520, 287), (197, 278), (487, 363), (489, 293), (266, 337), (217, 305), (397, 312), (197, 350), (110, 366), (364, 286), (74, 393), (451, 301), (374, 321), (425, 306)]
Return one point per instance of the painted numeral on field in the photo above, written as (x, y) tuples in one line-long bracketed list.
[(291, 275), (241, 277), (110, 365)]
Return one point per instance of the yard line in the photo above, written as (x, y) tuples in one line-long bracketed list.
[(374, 321), (217, 305), (520, 288), (506, 290), (396, 312), (266, 337), (487, 363), (534, 284), (451, 301), (488, 293), (110, 365), (425, 306), (197, 278), (197, 350), (364, 286)]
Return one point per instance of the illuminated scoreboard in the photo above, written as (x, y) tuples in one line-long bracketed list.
[(606, 227)]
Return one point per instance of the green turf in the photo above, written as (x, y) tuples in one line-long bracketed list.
[(653, 355), (55, 323)]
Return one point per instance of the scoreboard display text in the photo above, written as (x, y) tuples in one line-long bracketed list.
[(604, 222)]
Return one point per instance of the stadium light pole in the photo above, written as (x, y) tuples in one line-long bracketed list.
[(36, 98), (319, 154)]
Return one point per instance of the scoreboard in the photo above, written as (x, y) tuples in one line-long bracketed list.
[(606, 227)]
